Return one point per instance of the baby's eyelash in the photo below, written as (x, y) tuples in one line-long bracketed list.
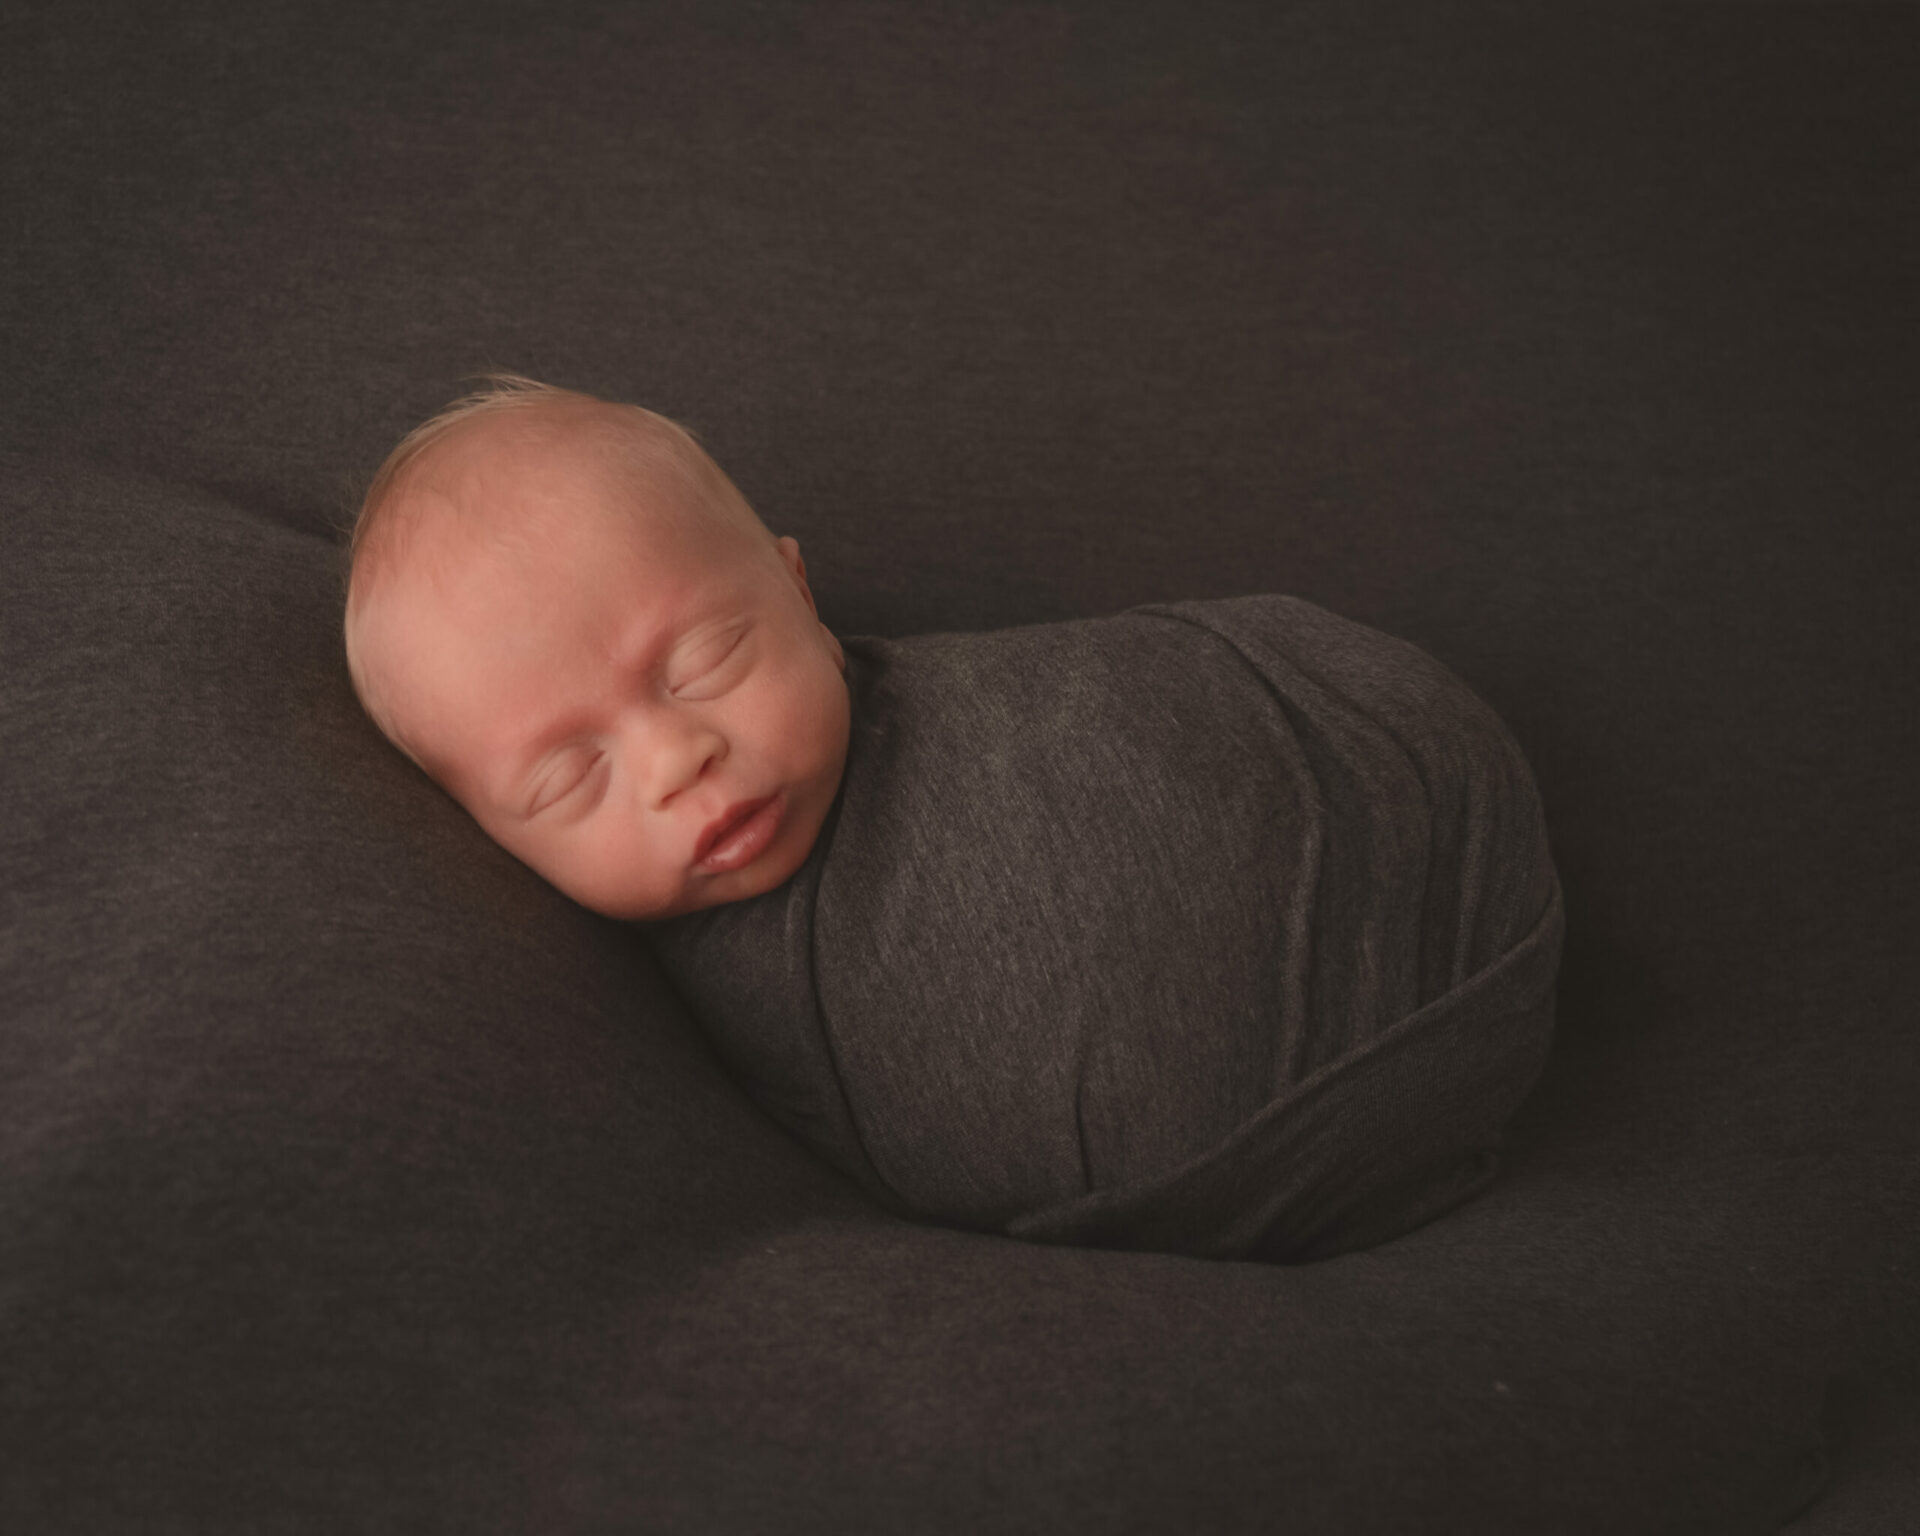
[(738, 641), (724, 657), (549, 801)]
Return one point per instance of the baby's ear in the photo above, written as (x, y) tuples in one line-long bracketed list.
[(796, 564)]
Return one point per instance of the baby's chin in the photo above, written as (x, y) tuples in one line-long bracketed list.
[(697, 900), (700, 898)]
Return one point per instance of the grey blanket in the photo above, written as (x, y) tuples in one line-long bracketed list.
[(1225, 928)]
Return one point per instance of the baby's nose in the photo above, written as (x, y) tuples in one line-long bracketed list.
[(673, 755)]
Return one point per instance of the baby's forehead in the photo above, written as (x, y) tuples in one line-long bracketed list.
[(490, 546), (508, 488), (554, 489)]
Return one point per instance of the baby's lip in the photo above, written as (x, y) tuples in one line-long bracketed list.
[(731, 817)]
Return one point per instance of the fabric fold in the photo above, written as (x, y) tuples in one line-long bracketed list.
[(1224, 927)]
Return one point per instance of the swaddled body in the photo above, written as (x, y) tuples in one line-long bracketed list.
[(1224, 927), (1219, 927)]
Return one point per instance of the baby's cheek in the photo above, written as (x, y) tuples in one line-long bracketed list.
[(632, 877)]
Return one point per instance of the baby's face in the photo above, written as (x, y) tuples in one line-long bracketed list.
[(603, 695)]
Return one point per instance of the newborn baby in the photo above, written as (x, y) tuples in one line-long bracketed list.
[(1221, 928)]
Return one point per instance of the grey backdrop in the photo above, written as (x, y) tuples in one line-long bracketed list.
[(351, 1179)]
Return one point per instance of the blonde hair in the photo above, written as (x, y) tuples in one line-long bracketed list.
[(646, 446)]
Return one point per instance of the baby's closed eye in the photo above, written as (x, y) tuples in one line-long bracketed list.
[(712, 658), (716, 666), (572, 774)]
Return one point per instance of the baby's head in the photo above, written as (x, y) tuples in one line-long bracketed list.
[(566, 614)]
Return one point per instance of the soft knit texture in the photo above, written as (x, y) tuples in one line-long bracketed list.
[(1225, 928)]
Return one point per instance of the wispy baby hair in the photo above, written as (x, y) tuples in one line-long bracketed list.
[(503, 392), (652, 440)]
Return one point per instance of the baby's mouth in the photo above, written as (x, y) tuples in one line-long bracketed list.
[(738, 835)]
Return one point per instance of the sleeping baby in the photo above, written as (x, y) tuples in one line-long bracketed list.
[(1226, 928)]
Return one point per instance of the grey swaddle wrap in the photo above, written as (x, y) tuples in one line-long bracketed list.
[(1225, 928)]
